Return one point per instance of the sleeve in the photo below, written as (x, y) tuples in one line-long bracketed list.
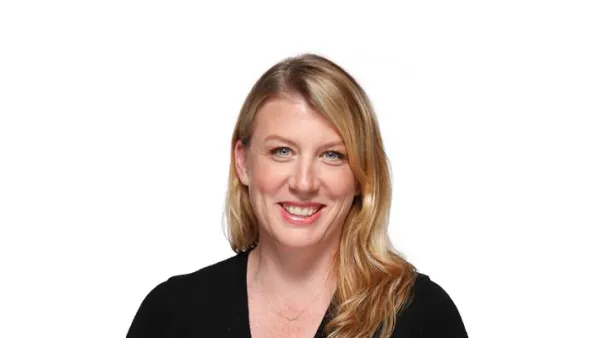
[(154, 314), (442, 319)]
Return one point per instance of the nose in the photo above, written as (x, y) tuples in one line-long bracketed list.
[(304, 178)]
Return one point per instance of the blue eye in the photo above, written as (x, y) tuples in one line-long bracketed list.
[(282, 151), (334, 155)]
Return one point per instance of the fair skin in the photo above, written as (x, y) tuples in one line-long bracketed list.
[(301, 189)]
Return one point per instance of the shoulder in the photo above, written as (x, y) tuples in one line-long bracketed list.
[(431, 312), (430, 296), (185, 295), (201, 283), (210, 276)]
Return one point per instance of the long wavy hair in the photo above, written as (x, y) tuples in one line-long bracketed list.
[(374, 281)]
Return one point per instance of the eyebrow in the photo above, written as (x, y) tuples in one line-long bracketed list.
[(290, 142)]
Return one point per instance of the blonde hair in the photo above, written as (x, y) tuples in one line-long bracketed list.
[(374, 281)]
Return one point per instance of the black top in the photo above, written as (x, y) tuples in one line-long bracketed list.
[(212, 302)]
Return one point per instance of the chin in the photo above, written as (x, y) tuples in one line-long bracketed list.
[(294, 242), (294, 238), (300, 237), (295, 235)]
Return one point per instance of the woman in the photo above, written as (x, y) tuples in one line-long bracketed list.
[(307, 209)]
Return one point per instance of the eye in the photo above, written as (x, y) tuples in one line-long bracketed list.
[(281, 151), (334, 155)]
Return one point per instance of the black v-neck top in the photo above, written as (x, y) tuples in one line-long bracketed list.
[(213, 302)]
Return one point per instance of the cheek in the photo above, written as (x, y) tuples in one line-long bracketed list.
[(341, 183), (266, 176)]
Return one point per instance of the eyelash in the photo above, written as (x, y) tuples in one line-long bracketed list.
[(339, 155)]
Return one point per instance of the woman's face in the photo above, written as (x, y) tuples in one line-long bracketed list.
[(300, 184)]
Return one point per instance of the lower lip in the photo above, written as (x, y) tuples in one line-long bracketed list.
[(300, 220)]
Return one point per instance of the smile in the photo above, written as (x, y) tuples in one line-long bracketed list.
[(298, 211), (301, 215)]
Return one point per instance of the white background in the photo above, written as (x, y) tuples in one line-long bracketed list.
[(115, 120)]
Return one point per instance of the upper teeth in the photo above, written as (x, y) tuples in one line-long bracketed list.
[(300, 211)]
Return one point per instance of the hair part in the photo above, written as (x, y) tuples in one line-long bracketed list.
[(374, 280)]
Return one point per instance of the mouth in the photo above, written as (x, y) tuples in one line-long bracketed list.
[(301, 214)]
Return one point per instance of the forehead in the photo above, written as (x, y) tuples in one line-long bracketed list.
[(293, 118)]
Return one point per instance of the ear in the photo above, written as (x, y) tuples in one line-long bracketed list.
[(241, 165)]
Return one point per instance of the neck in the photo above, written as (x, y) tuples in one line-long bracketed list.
[(291, 271)]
